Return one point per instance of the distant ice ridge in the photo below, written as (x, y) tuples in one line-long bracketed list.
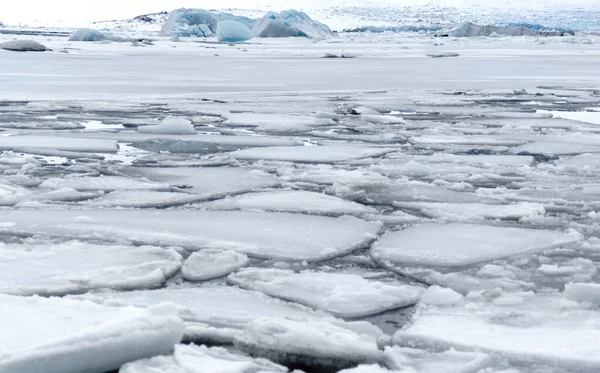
[(469, 29)]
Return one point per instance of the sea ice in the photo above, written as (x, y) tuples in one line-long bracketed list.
[(208, 264), (76, 267), (315, 343), (410, 360), (291, 201), (202, 359), (232, 32), (458, 245), (56, 335), (103, 183), (263, 235), (343, 295), (582, 292), (170, 126), (309, 154), (474, 211), (275, 122), (143, 199), (23, 46), (19, 142)]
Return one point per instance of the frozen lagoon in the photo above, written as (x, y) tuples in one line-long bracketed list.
[(396, 139)]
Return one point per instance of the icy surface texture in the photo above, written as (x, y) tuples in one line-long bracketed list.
[(23, 46), (343, 295), (232, 32), (58, 335)]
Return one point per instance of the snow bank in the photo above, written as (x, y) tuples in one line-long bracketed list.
[(343, 295), (23, 46), (202, 359), (232, 32), (55, 335)]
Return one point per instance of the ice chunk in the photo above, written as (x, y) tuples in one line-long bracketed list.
[(474, 211), (273, 121), (438, 295), (190, 22), (309, 154), (306, 25), (469, 29), (582, 292), (457, 245), (263, 235), (383, 119), (23, 46), (86, 34), (19, 142), (210, 313), (144, 199), (202, 359), (208, 264), (170, 126), (290, 23), (55, 335), (318, 344), (408, 360), (104, 183), (76, 267), (291, 201), (343, 295), (232, 32), (11, 195), (540, 330)]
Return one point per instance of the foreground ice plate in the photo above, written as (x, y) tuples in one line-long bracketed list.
[(202, 359), (58, 143), (309, 154), (76, 267), (314, 343), (457, 245), (262, 235), (208, 264), (343, 295), (538, 329), (54, 335)]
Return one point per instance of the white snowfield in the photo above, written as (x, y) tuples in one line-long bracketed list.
[(76, 267), (58, 335), (261, 235), (343, 295)]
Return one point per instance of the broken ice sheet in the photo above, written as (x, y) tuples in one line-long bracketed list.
[(208, 264), (262, 235), (309, 154), (76, 267), (473, 211), (291, 201), (57, 335), (58, 143), (407, 360), (343, 295), (104, 183), (458, 245), (202, 359)]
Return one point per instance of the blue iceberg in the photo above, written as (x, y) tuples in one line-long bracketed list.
[(290, 23), (232, 32), (87, 34), (190, 22)]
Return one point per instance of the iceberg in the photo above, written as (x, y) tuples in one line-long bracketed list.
[(169, 126), (469, 29), (290, 23), (86, 34), (57, 335), (23, 46), (230, 31), (190, 22)]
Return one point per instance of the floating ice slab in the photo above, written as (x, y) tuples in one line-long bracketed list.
[(212, 182), (225, 309), (552, 333), (474, 211), (170, 126), (143, 199), (58, 143), (422, 361), (582, 292), (292, 201), (104, 183), (263, 235), (457, 245), (55, 335), (383, 119), (208, 264), (76, 267), (309, 154), (343, 295), (274, 121), (315, 343), (202, 359)]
